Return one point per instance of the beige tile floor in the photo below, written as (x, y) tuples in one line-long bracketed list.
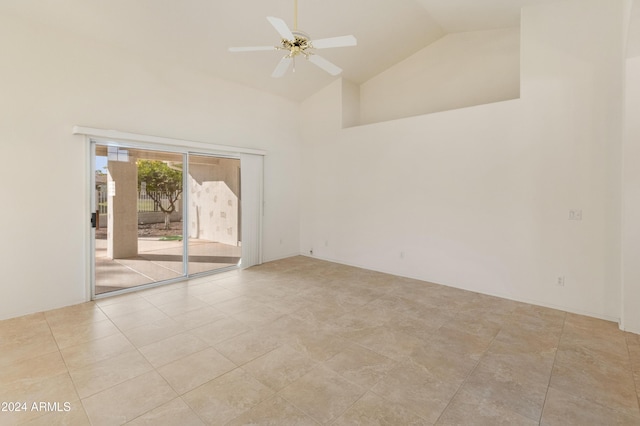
[(305, 342)]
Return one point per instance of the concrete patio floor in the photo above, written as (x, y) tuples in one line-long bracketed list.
[(159, 261)]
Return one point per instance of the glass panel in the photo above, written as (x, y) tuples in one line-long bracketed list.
[(214, 213), (139, 228)]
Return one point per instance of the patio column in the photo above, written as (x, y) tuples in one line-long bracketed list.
[(122, 213)]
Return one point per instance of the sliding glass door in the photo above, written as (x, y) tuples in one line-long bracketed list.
[(214, 213), (161, 216)]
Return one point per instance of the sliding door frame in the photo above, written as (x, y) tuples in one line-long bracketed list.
[(118, 139)]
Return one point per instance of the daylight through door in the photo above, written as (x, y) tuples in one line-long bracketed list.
[(161, 216)]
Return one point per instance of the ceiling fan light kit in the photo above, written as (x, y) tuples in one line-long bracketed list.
[(299, 43)]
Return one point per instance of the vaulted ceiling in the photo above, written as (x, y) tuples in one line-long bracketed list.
[(197, 33)]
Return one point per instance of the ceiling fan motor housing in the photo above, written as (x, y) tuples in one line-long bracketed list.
[(299, 45)]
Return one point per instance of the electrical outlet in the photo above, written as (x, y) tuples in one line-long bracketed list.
[(560, 281), (311, 252), (575, 214)]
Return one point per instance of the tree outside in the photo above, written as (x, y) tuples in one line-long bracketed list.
[(161, 182)]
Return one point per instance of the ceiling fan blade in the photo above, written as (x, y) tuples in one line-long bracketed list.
[(251, 48), (342, 41), (282, 67), (281, 27), (325, 65)]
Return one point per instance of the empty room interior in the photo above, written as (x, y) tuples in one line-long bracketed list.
[(407, 212)]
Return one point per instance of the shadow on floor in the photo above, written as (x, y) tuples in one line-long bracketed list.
[(159, 261)]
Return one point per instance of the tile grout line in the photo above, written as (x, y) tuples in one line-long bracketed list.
[(136, 350), (635, 382), (591, 400), (192, 410), (467, 377), (484, 355), (555, 356), (155, 369), (367, 390), (73, 382), (298, 408), (397, 363)]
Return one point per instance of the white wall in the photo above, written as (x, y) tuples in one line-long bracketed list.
[(456, 71), (479, 197), (213, 196), (49, 82), (631, 228), (476, 198)]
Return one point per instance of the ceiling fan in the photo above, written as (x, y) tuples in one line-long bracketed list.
[(298, 43)]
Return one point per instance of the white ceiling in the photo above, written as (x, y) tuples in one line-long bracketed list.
[(197, 33)]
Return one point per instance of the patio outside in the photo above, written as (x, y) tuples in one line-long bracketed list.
[(140, 228), (160, 258)]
